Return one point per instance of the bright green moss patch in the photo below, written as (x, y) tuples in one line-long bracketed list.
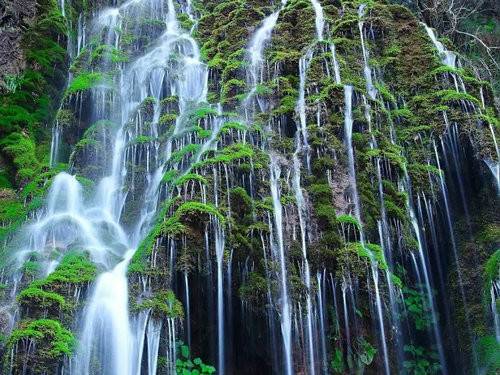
[(228, 154), (492, 267), (52, 340), (190, 177), (163, 304), (85, 81), (349, 220), (41, 299), (75, 268)]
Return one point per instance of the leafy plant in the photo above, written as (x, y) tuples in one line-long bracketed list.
[(185, 366), (337, 362), (424, 362), (417, 308)]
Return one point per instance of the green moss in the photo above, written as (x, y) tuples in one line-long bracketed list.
[(138, 263), (163, 304), (51, 341), (348, 219), (22, 150), (492, 268), (228, 154), (75, 268), (85, 81), (488, 349), (189, 149), (254, 290), (107, 52), (190, 177), (192, 207), (41, 299)]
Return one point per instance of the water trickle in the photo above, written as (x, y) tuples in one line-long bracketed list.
[(336, 67), (219, 249), (255, 51), (348, 122), (304, 63), (319, 19), (428, 289), (302, 213), (372, 91), (106, 335), (447, 57), (495, 295), (278, 243)]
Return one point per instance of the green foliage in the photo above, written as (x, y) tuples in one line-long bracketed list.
[(192, 207), (39, 298), (189, 149), (22, 151), (488, 349), (185, 366), (228, 154), (75, 268), (204, 111), (53, 341), (492, 267), (190, 177), (163, 304), (337, 362), (423, 362), (365, 351), (254, 290), (107, 52), (85, 81), (417, 308), (348, 219), (138, 263)]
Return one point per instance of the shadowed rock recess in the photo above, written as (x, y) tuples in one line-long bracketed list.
[(244, 187)]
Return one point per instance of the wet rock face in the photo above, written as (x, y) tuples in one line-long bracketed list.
[(15, 16)]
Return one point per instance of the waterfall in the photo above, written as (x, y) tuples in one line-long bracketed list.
[(106, 333), (336, 67), (322, 327), (301, 209), (428, 288), (219, 249), (448, 58), (494, 294), (319, 19), (372, 91), (255, 51), (153, 334), (301, 103), (348, 122), (282, 217), (285, 313)]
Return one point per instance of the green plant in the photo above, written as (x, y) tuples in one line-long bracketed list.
[(417, 309), (185, 366), (423, 362)]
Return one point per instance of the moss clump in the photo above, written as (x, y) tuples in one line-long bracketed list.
[(349, 220), (85, 81), (45, 342), (489, 355), (41, 299), (492, 268), (190, 177), (163, 304), (75, 268), (254, 290)]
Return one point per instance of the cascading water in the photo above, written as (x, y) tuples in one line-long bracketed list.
[(448, 58), (372, 91), (279, 250), (232, 206)]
